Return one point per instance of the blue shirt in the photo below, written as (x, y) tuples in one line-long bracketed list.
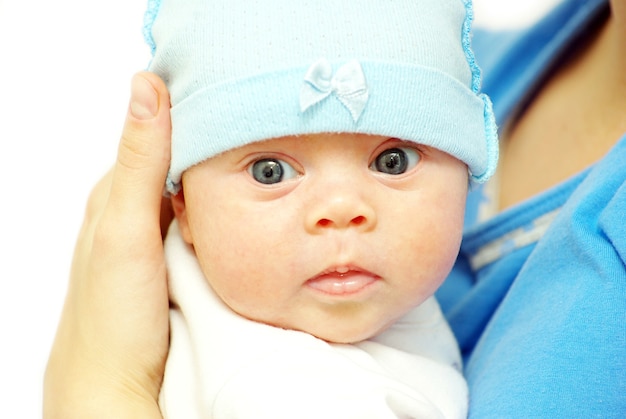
[(537, 298)]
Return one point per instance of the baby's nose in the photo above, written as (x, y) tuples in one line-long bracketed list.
[(341, 211)]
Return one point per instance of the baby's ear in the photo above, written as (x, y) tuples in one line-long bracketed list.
[(180, 212)]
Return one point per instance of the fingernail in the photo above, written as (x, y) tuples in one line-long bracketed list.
[(143, 99)]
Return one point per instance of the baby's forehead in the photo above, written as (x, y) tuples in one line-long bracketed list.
[(326, 136), (315, 141), (336, 137), (323, 142)]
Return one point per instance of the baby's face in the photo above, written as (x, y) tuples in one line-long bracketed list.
[(337, 235)]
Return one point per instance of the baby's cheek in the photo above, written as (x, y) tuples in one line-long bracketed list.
[(431, 252), (237, 281)]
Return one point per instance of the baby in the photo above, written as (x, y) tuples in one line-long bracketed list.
[(321, 156)]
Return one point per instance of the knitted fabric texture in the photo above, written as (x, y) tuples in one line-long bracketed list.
[(245, 71)]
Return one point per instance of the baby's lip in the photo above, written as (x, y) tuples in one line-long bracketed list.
[(342, 280)]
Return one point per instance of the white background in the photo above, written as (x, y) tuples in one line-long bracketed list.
[(65, 68)]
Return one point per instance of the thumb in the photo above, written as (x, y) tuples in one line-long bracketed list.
[(144, 151)]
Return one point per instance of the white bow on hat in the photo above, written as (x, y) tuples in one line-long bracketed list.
[(348, 84)]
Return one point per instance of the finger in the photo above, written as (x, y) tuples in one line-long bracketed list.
[(144, 151), (128, 233), (125, 260)]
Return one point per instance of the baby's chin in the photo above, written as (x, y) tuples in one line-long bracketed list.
[(342, 328), (343, 335), (344, 339)]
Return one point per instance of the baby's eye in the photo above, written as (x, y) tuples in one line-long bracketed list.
[(270, 171), (395, 161)]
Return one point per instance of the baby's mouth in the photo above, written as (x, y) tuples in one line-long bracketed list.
[(342, 280)]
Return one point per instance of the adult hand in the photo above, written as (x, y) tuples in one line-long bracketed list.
[(109, 353)]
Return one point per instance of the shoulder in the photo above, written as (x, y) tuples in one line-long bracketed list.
[(562, 320)]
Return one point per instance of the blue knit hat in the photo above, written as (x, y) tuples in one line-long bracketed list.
[(241, 71)]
